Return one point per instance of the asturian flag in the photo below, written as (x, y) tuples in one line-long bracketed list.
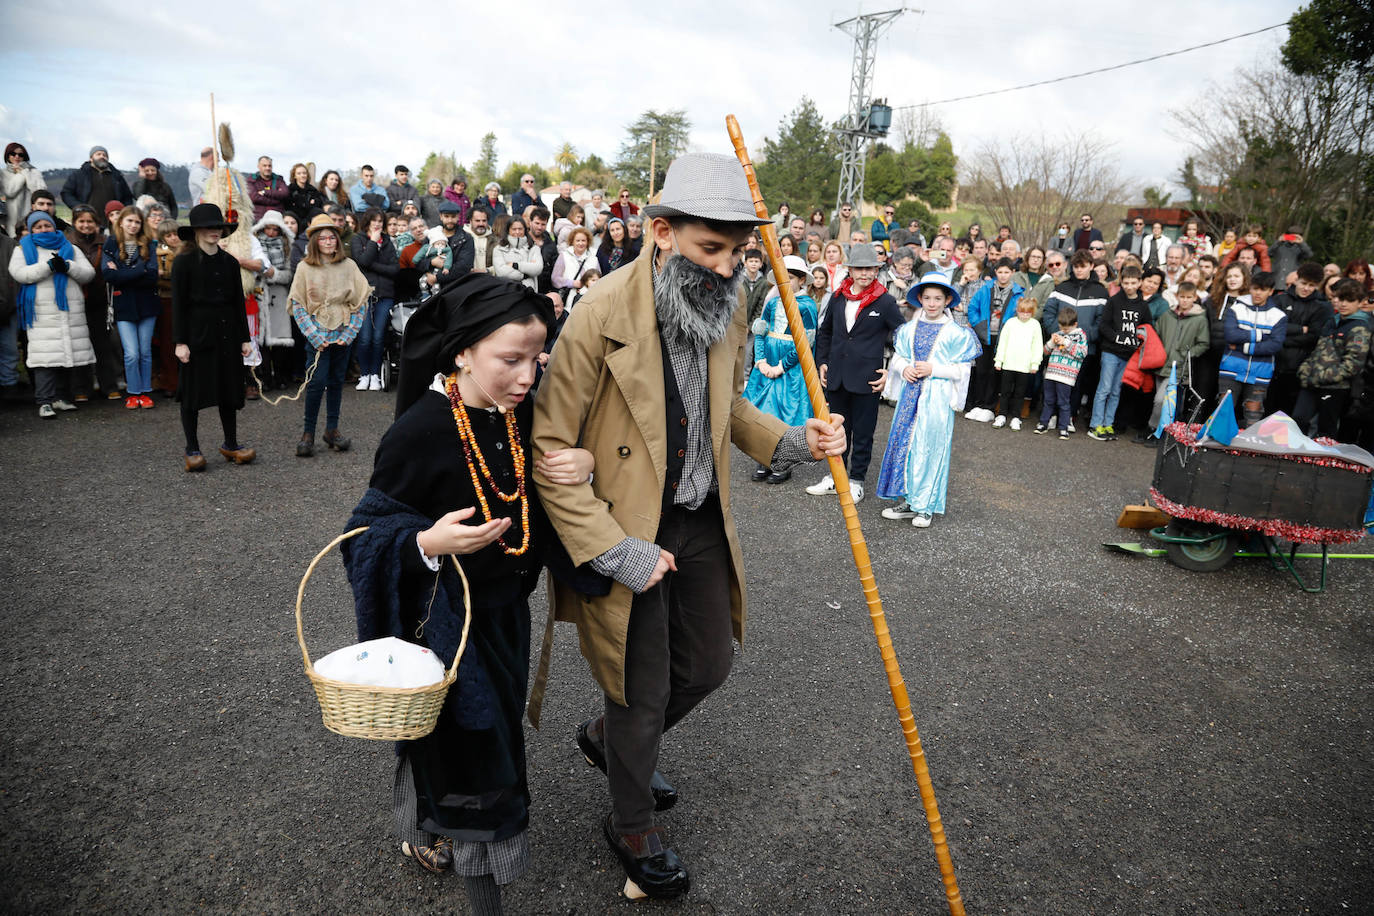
[(1221, 425), (1166, 413)]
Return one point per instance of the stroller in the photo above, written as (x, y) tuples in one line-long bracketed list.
[(391, 344)]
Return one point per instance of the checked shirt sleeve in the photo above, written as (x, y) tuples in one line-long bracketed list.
[(631, 563)]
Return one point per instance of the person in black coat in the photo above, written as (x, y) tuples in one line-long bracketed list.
[(302, 198), (210, 329), (1309, 315), (376, 257), (96, 183), (461, 798), (849, 352)]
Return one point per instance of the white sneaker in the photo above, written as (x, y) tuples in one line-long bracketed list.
[(921, 521), (363, 381), (856, 492), (1071, 429), (999, 422), (46, 412), (375, 383), (1054, 422), (60, 404), (827, 485), (1016, 423), (972, 413), (984, 415), (901, 510)]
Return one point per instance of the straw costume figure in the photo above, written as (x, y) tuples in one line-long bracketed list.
[(647, 375)]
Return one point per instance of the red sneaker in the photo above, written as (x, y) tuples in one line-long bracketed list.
[(131, 402), (145, 402)]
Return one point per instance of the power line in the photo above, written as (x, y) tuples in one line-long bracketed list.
[(1074, 76)]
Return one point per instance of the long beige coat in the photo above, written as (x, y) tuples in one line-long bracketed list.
[(603, 391)]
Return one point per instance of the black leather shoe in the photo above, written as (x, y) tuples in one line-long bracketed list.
[(437, 858), (651, 869), (760, 473), (779, 478), (665, 794)]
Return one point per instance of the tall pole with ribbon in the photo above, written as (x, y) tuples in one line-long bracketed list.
[(857, 544)]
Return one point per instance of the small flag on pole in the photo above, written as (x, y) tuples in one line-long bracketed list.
[(1221, 425), (1166, 413)]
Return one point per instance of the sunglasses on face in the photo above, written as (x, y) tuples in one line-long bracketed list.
[(1096, 248)]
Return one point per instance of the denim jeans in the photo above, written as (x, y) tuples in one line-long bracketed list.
[(371, 336), (1108, 389), (1058, 403), (137, 340), (9, 351), (329, 375)]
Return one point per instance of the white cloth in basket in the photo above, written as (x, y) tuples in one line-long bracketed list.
[(385, 662)]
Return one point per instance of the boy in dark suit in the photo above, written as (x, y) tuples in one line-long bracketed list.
[(849, 352)]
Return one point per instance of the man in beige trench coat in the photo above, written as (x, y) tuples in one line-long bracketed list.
[(647, 375)]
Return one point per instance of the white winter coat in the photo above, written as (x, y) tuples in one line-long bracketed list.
[(58, 339), (518, 261), (17, 188)]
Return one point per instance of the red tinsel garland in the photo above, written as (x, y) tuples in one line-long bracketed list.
[(1301, 534), (1187, 435)]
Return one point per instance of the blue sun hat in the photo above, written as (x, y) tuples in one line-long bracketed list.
[(913, 295)]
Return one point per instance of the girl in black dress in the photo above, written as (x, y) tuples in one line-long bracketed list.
[(210, 328), (450, 479)]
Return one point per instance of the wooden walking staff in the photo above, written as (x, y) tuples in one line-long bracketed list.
[(856, 537)]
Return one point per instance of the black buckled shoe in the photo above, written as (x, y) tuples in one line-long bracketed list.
[(651, 869), (437, 858), (665, 794), (761, 473)]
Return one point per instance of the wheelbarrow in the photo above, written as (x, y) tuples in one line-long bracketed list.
[(1212, 504)]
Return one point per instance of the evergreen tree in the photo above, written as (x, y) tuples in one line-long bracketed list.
[(670, 129), (484, 169), (802, 166)]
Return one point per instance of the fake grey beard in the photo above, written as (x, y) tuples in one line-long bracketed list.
[(694, 304)]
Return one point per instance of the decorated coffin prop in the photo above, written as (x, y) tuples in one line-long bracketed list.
[(1270, 479)]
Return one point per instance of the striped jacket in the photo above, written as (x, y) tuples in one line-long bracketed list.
[(1088, 297), (1254, 336)]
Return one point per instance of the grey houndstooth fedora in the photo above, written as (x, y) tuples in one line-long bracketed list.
[(706, 186), (862, 256)]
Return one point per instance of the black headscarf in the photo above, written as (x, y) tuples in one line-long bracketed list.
[(445, 325)]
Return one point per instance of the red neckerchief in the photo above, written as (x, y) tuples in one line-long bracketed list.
[(871, 292)]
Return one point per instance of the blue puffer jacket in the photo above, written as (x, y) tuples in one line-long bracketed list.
[(133, 285), (980, 309)]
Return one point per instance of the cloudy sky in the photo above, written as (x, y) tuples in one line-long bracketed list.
[(347, 82)]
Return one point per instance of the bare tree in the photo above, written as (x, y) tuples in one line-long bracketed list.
[(1276, 148), (917, 127), (1033, 185)]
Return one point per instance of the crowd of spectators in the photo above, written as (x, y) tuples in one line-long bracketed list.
[(409, 238)]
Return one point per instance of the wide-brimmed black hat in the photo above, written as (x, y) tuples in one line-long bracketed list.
[(204, 216)]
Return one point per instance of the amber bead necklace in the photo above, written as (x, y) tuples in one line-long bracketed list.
[(476, 460)]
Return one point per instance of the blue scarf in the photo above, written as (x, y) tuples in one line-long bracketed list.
[(53, 241)]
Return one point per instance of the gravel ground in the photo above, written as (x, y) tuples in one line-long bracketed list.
[(1106, 734)]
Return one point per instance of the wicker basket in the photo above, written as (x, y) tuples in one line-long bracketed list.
[(379, 713)]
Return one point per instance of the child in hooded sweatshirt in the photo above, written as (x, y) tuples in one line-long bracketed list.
[(1254, 336), (1183, 330), (1020, 348), (1118, 337), (1338, 359)]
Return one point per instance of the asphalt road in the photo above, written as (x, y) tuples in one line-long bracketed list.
[(1106, 734)]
